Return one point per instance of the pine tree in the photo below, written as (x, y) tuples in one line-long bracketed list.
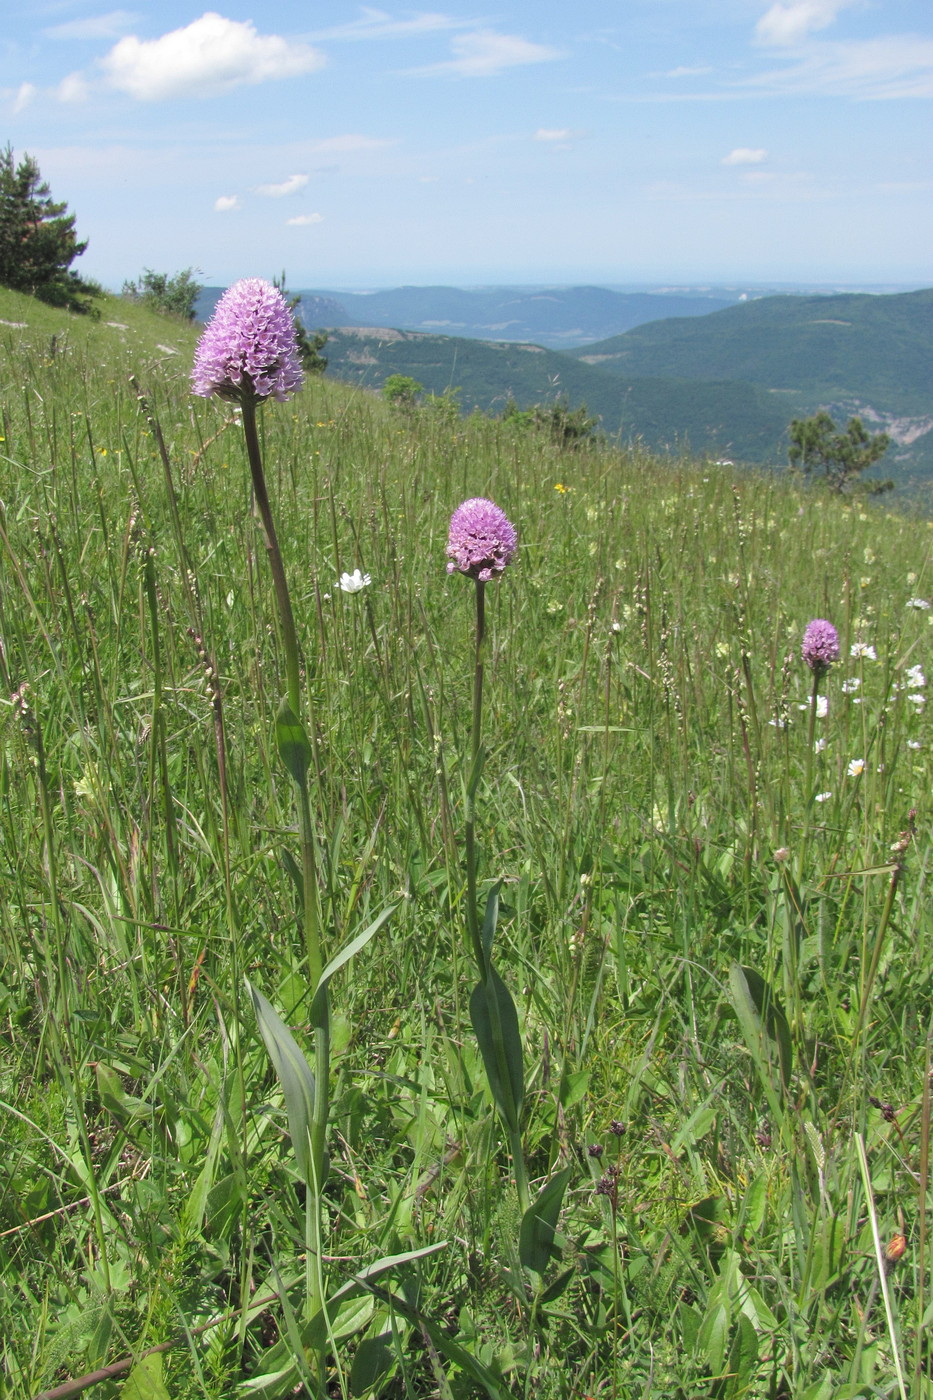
[(38, 242), (815, 446)]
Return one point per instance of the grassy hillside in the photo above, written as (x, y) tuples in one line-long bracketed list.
[(704, 873), (122, 329)]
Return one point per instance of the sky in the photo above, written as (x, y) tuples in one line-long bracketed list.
[(609, 142)]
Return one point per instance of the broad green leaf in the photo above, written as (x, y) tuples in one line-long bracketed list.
[(294, 1075), (372, 1363), (743, 1355), (292, 741), (763, 1022), (355, 944), (539, 1224), (145, 1381), (495, 1025)]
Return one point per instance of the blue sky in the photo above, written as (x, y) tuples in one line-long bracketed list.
[(639, 141)]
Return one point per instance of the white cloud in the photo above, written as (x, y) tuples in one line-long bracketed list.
[(788, 23), (22, 97), (745, 155), (891, 66), (74, 88), (302, 220), (292, 185), (545, 133), (376, 24), (485, 54), (225, 202), (213, 55), (684, 72), (94, 27)]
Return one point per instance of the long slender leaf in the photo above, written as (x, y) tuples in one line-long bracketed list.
[(350, 949), (294, 1075), (490, 919), (495, 1025), (294, 748), (763, 1022)]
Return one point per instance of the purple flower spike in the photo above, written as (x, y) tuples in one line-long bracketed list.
[(248, 350), (482, 540), (820, 645)]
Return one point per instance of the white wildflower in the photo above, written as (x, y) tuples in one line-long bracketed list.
[(863, 651), (819, 745), (918, 700), (856, 768), (355, 582), (850, 685), (914, 744), (822, 797), (915, 677), (920, 604)]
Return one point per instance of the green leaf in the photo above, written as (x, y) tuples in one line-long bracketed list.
[(495, 1025), (490, 919), (763, 1022), (558, 1287), (355, 944), (539, 1224), (112, 1095), (294, 1074), (475, 773), (145, 1381), (292, 741), (372, 1363), (713, 1335), (293, 870), (743, 1355)]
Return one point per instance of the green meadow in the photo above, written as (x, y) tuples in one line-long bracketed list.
[(713, 894)]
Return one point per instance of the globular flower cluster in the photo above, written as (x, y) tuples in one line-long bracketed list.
[(482, 540), (820, 645), (249, 350)]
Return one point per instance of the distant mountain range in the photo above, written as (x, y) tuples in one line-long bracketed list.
[(557, 317), (703, 375)]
